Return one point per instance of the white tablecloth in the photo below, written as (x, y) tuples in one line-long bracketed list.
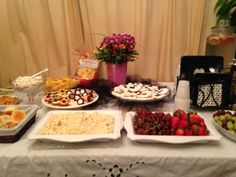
[(121, 157)]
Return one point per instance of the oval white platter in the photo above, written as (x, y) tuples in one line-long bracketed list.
[(171, 139), (161, 96), (118, 124), (73, 104)]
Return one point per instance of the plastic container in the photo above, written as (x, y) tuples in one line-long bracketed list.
[(87, 71), (86, 82)]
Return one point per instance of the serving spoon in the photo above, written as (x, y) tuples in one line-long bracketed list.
[(40, 72)]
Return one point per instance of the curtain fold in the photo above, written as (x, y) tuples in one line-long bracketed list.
[(43, 33)]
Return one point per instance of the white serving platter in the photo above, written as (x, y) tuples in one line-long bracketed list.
[(148, 99), (30, 111), (171, 139), (72, 105), (67, 138)]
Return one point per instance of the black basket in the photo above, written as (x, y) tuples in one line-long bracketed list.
[(189, 65), (211, 90)]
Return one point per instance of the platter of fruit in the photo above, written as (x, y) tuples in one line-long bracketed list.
[(225, 122), (178, 127), (70, 98)]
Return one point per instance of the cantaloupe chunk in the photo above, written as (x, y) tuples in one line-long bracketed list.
[(2, 122), (17, 116), (11, 124)]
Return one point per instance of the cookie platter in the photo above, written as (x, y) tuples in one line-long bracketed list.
[(70, 98), (140, 92)]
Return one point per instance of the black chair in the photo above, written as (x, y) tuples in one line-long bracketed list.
[(189, 64), (205, 70)]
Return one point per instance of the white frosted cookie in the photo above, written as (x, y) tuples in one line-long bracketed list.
[(154, 88), (163, 91), (134, 87), (129, 94), (117, 90), (123, 88)]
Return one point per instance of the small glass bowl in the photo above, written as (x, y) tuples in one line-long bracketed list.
[(29, 85)]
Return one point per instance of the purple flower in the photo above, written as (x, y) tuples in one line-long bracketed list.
[(117, 46)]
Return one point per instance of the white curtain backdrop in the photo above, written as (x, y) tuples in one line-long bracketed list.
[(45, 33)]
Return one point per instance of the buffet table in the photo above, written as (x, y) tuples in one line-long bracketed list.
[(120, 157)]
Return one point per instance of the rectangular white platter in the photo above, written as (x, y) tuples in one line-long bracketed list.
[(171, 139), (68, 138), (30, 111)]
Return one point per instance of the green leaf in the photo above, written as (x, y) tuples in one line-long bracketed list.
[(224, 9)]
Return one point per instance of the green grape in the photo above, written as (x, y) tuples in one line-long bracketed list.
[(235, 126), (228, 117), (232, 131), (222, 117), (219, 123), (234, 118), (216, 118), (230, 125)]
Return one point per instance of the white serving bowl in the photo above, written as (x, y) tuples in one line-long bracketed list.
[(224, 131)]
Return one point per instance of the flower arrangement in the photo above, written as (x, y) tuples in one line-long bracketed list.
[(117, 48)]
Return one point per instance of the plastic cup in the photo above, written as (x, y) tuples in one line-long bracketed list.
[(183, 90), (183, 104)]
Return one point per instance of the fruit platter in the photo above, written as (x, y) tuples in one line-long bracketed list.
[(15, 121), (139, 92), (225, 122), (178, 127), (70, 98)]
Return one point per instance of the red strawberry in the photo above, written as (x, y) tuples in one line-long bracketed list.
[(177, 113), (203, 132), (202, 124), (179, 132), (195, 129), (188, 132), (183, 115), (183, 124), (175, 122), (194, 119)]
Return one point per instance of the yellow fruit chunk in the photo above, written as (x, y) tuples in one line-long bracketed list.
[(1, 122), (10, 124), (17, 116)]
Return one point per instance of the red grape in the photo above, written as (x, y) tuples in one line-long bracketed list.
[(147, 123)]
